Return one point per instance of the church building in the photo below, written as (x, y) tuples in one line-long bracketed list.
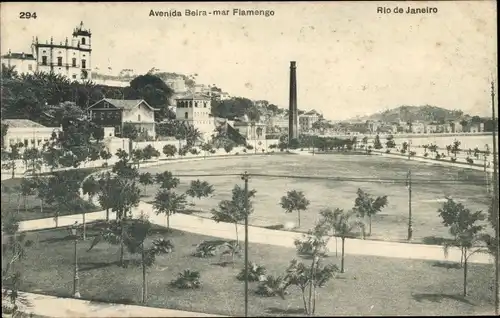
[(71, 58)]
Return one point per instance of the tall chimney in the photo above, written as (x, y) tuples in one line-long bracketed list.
[(292, 109)]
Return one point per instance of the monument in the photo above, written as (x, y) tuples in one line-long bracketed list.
[(293, 132)]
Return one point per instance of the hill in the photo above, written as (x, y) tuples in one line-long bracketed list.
[(425, 113)]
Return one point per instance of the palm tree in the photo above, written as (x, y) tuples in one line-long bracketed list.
[(137, 233), (294, 201), (366, 205), (90, 187), (342, 224), (168, 202)]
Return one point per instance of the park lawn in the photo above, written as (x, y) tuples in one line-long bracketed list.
[(30, 208), (391, 224), (371, 285)]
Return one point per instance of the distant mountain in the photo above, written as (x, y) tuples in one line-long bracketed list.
[(425, 113)]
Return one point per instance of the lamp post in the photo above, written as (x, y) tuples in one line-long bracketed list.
[(245, 178), (76, 279)]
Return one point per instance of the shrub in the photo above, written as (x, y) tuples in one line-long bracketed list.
[(426, 154), (255, 273), (228, 148), (249, 147), (272, 286), (205, 249), (403, 151), (244, 151), (187, 279), (469, 160), (212, 151), (438, 156), (453, 159), (388, 151), (412, 153), (236, 153), (301, 149), (306, 248), (263, 150), (193, 151), (104, 165)]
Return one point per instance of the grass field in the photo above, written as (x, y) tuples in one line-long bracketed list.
[(464, 185), (371, 285), (30, 207)]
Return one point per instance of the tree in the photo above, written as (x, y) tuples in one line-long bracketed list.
[(169, 150), (146, 179), (167, 180), (154, 91), (366, 205), (168, 202), (137, 156), (106, 185), (390, 142), (309, 278), (14, 249), (377, 144), (137, 233), (130, 131), (90, 187), (199, 189), (32, 159), (455, 148), (206, 147), (234, 211), (124, 195), (106, 155), (294, 201), (342, 223), (150, 152), (462, 224), (11, 157)]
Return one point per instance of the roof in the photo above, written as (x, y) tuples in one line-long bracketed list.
[(124, 103), (21, 123), (21, 56), (194, 96)]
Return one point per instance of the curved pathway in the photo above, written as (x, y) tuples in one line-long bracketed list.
[(199, 225)]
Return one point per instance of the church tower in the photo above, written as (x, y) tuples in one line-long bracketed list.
[(82, 41)]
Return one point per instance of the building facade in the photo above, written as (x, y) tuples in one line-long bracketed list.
[(195, 110), (71, 58), (28, 133), (117, 112), (307, 119)]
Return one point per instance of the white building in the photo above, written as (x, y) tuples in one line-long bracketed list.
[(28, 133), (195, 110), (115, 113), (307, 119), (71, 58)]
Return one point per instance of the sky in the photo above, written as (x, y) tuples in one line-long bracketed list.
[(351, 60)]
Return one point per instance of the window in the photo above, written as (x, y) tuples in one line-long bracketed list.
[(44, 60), (84, 64), (73, 62), (83, 41), (138, 117), (43, 51), (30, 67), (74, 76), (59, 61), (186, 115)]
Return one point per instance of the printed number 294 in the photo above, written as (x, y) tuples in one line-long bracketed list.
[(27, 15)]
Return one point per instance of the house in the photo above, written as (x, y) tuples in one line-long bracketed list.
[(116, 112), (307, 120), (28, 133)]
